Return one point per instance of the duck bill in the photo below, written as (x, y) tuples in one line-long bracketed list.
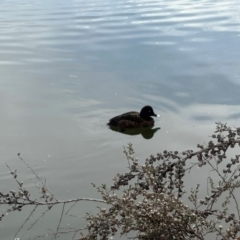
[(156, 115)]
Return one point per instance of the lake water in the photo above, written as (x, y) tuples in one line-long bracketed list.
[(66, 67)]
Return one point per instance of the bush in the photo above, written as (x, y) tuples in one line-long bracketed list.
[(148, 200)]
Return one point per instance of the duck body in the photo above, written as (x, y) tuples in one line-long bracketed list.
[(134, 119)]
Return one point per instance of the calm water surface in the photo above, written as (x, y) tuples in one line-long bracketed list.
[(67, 67)]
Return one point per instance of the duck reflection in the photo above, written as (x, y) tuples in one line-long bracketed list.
[(146, 133)]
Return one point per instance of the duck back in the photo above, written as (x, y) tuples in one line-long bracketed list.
[(130, 120)]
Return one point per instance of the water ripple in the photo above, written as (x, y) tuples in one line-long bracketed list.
[(98, 25)]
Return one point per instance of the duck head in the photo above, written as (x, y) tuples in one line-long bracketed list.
[(147, 112)]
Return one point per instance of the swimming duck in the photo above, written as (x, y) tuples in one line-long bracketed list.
[(134, 119)]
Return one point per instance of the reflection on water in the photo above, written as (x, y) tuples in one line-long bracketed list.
[(146, 133)]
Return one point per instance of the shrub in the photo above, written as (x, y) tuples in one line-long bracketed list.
[(149, 200)]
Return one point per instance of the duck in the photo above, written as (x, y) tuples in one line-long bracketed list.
[(134, 119)]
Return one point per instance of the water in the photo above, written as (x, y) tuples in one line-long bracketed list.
[(67, 67)]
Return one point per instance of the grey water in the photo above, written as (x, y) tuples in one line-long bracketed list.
[(66, 67)]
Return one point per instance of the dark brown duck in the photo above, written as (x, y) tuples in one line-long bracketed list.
[(134, 119)]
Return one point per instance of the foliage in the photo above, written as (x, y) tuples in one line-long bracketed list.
[(150, 199)]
